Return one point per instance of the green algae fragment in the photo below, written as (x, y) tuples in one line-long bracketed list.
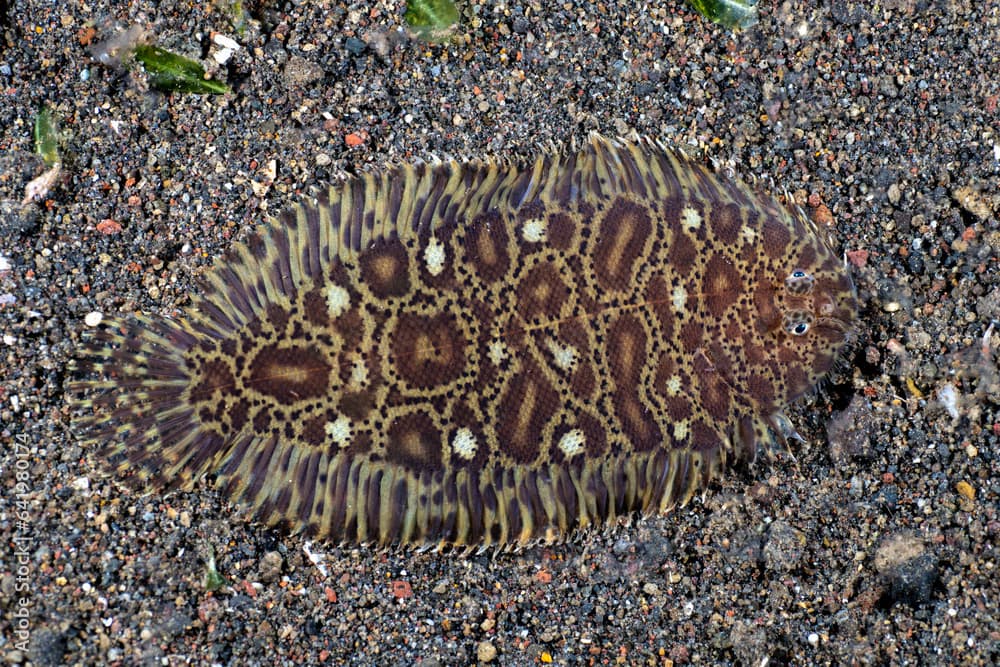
[(171, 73), (431, 18), (729, 13), (47, 137), (213, 580)]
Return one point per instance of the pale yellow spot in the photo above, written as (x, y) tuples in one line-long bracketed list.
[(749, 234), (679, 298), (434, 257), (682, 429), (534, 230), (690, 218), (674, 385), (572, 443), (464, 444), (563, 355), (338, 300), (498, 352), (359, 374), (340, 431)]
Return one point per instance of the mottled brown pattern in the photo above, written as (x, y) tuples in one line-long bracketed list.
[(482, 353)]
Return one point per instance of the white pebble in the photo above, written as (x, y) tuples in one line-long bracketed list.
[(225, 42), (93, 318), (813, 639), (315, 558), (222, 56), (949, 399), (228, 48), (81, 483)]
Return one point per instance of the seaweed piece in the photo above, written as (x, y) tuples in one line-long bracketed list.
[(213, 580), (47, 137), (431, 19), (47, 146), (735, 14), (170, 72)]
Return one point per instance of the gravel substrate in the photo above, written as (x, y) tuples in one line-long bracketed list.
[(876, 544)]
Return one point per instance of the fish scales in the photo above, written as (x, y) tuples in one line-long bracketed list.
[(479, 353)]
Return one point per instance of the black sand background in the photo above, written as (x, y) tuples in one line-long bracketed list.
[(877, 545)]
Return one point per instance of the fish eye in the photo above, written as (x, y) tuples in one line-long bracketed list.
[(799, 282), (797, 323)]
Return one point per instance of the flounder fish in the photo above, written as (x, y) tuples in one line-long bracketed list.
[(481, 353)]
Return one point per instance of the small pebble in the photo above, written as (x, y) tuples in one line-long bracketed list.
[(93, 318), (270, 566), (907, 569), (894, 194), (486, 652), (355, 45)]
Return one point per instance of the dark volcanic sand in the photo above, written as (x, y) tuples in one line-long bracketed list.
[(876, 545)]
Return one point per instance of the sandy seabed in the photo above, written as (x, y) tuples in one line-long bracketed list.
[(875, 545)]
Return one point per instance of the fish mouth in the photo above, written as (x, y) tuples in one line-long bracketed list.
[(834, 323)]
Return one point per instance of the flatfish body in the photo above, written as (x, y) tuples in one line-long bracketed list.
[(479, 353)]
